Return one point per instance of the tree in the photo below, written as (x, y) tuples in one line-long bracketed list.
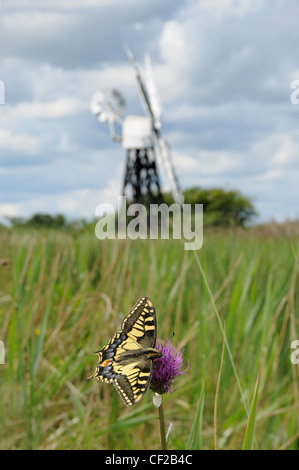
[(47, 220), (39, 221), (222, 207)]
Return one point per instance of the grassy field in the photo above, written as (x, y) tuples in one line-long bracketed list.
[(232, 306)]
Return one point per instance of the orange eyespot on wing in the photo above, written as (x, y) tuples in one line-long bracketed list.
[(106, 363)]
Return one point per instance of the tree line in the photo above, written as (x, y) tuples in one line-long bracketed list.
[(220, 208)]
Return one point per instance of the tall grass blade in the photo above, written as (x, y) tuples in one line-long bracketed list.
[(39, 343), (195, 436), (250, 430), (223, 333)]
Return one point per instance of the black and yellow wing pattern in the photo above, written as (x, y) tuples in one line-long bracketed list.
[(127, 359)]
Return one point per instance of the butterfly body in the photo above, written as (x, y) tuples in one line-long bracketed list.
[(127, 359)]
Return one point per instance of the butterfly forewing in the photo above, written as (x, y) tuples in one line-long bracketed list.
[(140, 323), (127, 360)]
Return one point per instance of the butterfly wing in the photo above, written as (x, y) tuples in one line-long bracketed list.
[(105, 370), (133, 384), (140, 323)]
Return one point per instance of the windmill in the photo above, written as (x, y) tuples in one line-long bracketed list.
[(147, 150)]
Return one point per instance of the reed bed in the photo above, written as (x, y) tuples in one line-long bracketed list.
[(232, 306)]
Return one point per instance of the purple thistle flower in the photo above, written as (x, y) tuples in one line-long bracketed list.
[(167, 367)]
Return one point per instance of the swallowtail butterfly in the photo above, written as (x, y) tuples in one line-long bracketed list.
[(127, 359)]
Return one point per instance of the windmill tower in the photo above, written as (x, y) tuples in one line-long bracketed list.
[(147, 151)]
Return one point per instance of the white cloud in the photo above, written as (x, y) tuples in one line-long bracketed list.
[(49, 109), (185, 163), (75, 204), (273, 175), (173, 44), (11, 210), (20, 142), (286, 153)]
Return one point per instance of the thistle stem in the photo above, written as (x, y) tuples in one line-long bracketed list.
[(162, 427)]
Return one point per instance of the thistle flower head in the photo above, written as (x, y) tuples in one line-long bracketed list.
[(167, 367)]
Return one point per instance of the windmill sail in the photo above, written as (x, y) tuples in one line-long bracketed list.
[(152, 106), (141, 136), (145, 99), (108, 105), (154, 99), (168, 168)]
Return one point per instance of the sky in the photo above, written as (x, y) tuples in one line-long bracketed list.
[(224, 70)]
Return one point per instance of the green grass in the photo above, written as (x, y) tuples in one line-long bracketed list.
[(62, 296)]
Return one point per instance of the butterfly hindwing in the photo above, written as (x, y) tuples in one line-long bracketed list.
[(132, 386), (105, 370), (127, 359)]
